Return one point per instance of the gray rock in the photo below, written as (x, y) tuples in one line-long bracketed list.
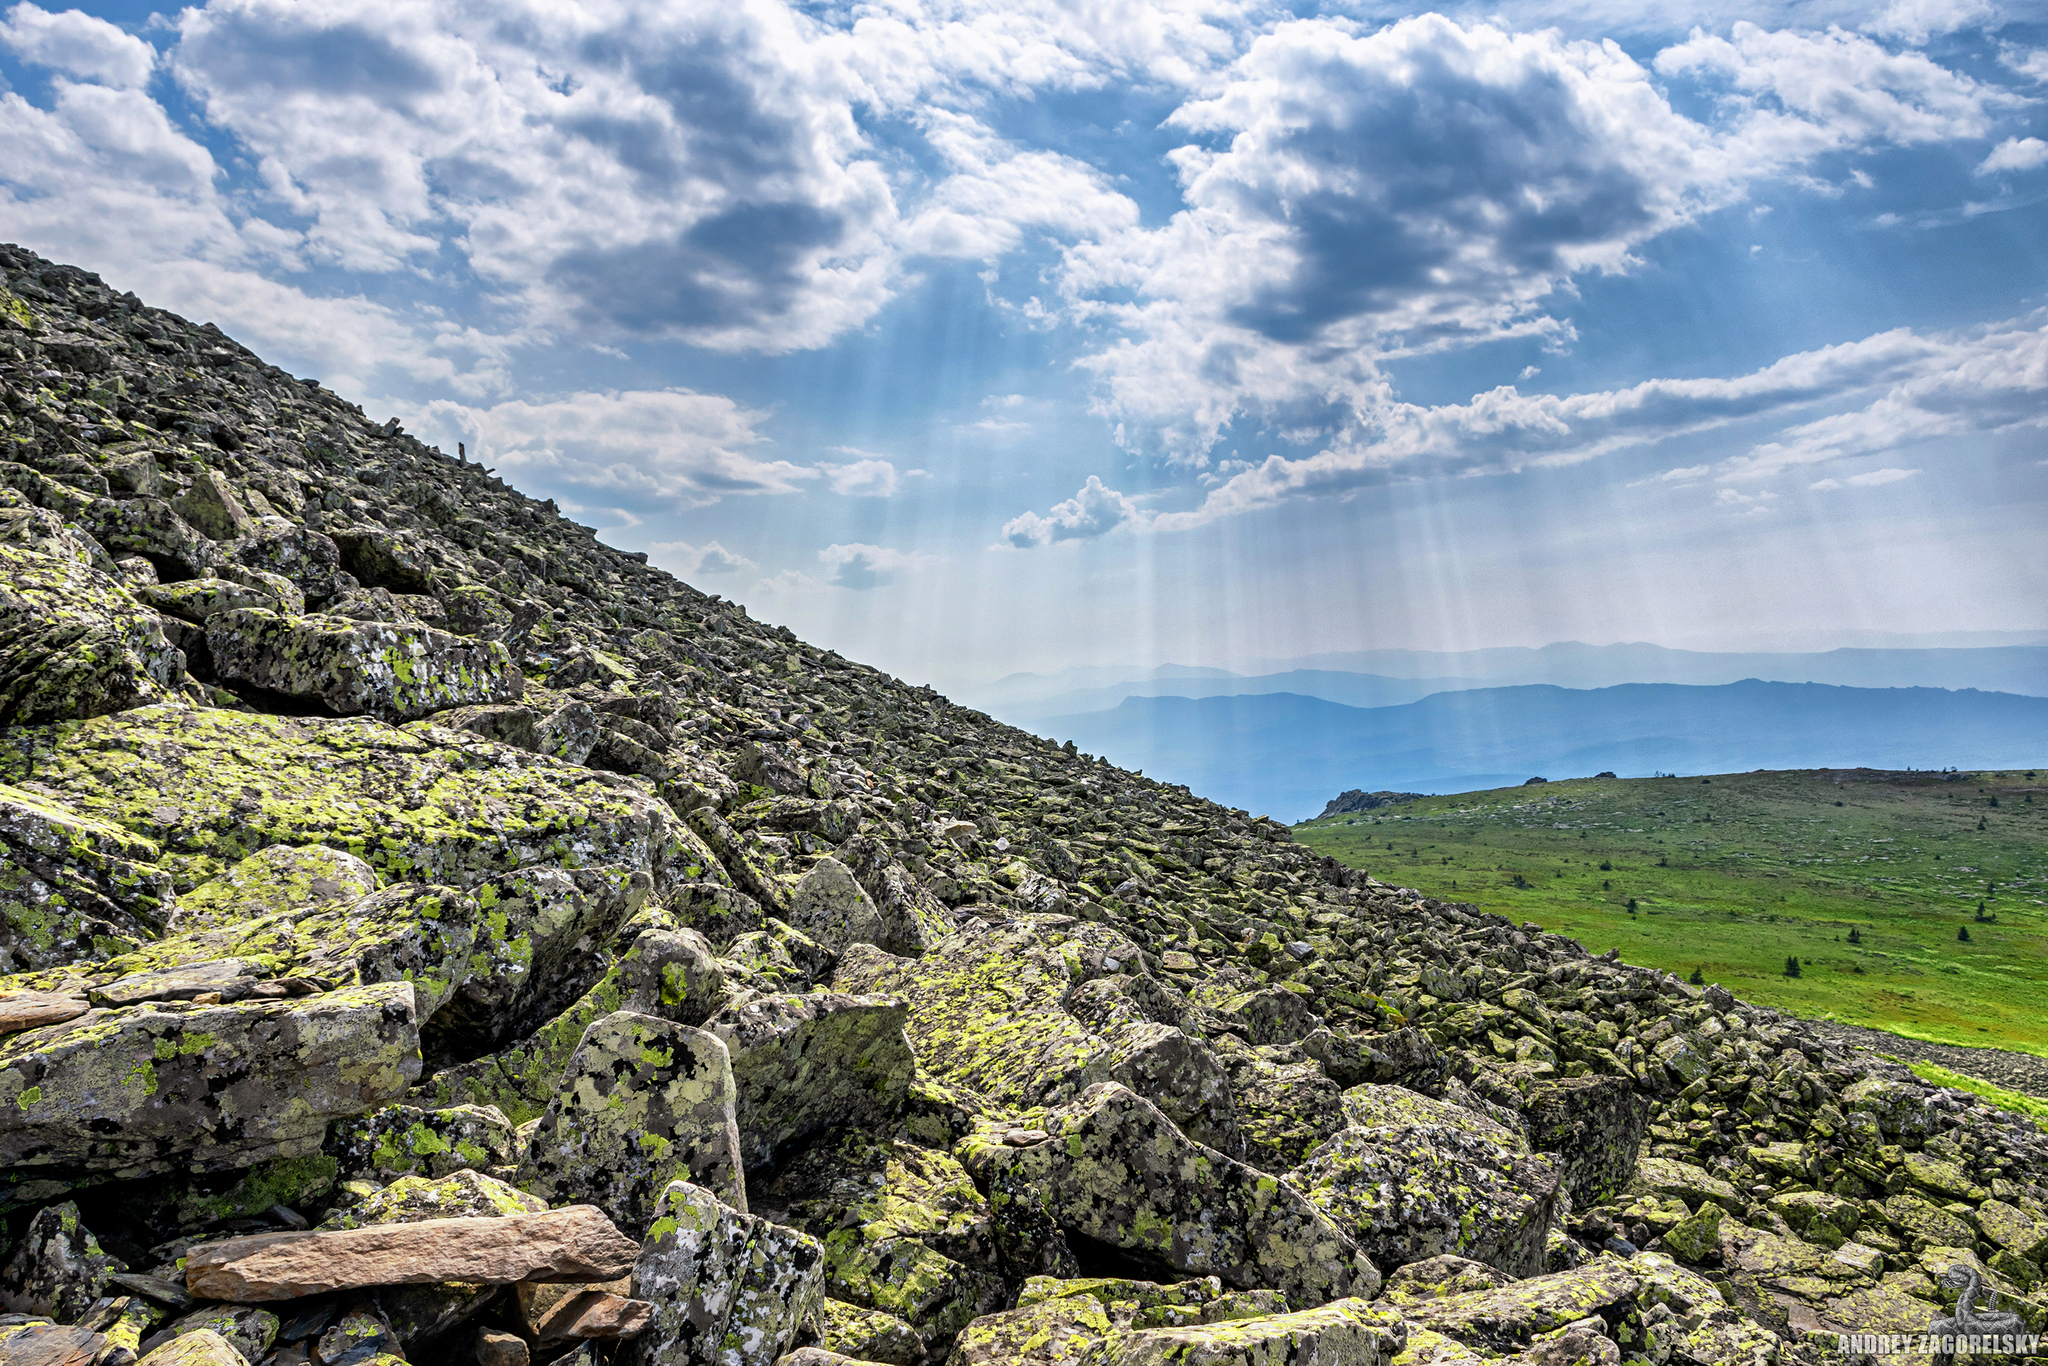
[(1113, 1168), (399, 673), (644, 1102), (212, 508), (176, 1086), (58, 1270), (75, 644), (728, 1288), (811, 1062), (73, 888)]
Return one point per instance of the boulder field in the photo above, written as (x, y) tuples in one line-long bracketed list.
[(429, 934)]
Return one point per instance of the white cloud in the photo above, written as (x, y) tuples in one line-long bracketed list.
[(679, 447), (862, 567), (1915, 21), (683, 559), (1361, 194), (998, 191), (2031, 62), (1991, 379), (868, 477), (2015, 154), (1094, 511), (77, 44), (1868, 479), (1003, 401)]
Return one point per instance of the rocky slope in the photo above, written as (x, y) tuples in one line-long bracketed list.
[(434, 935)]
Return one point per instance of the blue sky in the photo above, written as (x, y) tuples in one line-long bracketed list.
[(970, 337)]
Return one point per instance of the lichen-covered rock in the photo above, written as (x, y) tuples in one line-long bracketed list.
[(644, 1102), (811, 1062), (74, 643), (1347, 1332), (1114, 1169), (904, 1229), (987, 1012), (1285, 1110), (415, 1199), (833, 909), (306, 557), (1435, 1278), (291, 1182), (195, 600), (150, 528), (173, 1086), (1687, 1182), (280, 878), (201, 1348), (245, 1327), (867, 1335), (213, 787), (58, 1269), (399, 673), (1402, 1057), (728, 1288), (401, 1140), (1591, 1129), (1056, 1332), (73, 888), (212, 508), (1412, 1177)]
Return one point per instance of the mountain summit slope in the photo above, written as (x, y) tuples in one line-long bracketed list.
[(546, 958)]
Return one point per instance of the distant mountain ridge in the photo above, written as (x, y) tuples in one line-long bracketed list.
[(1284, 754), (1383, 678)]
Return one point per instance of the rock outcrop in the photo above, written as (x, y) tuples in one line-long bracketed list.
[(427, 933)]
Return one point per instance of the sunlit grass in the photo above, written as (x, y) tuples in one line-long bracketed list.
[(2032, 1107), (1733, 874)]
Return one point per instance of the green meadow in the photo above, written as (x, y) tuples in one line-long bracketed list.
[(1871, 880)]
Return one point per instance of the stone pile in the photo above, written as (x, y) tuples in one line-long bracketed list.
[(429, 934)]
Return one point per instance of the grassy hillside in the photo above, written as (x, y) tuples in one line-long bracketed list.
[(1734, 873)]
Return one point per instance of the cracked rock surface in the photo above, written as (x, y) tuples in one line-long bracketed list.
[(400, 884)]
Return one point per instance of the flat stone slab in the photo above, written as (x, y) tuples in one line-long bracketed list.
[(573, 1244)]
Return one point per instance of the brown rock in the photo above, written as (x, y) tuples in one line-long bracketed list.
[(596, 1314), (48, 1344), (31, 1009), (574, 1244), (494, 1348)]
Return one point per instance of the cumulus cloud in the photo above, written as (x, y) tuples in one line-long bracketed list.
[(867, 477), (1894, 388), (683, 559), (861, 567), (1357, 195), (998, 191), (1915, 21), (2015, 154), (77, 44), (681, 448), (1094, 511)]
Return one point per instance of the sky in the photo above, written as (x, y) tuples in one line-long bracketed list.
[(976, 336)]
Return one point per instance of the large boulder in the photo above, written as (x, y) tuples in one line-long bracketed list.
[(213, 787), (399, 673), (1347, 1332), (989, 1010), (307, 557), (280, 878), (58, 1270), (907, 1235), (74, 643), (1410, 1177), (1591, 1129), (803, 1063), (72, 888), (728, 1288), (177, 1086), (1114, 1169), (644, 1102)]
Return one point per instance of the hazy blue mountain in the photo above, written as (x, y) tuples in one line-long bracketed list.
[(1383, 678), (1285, 755), (1350, 689)]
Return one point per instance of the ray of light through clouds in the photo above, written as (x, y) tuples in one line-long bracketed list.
[(969, 335)]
